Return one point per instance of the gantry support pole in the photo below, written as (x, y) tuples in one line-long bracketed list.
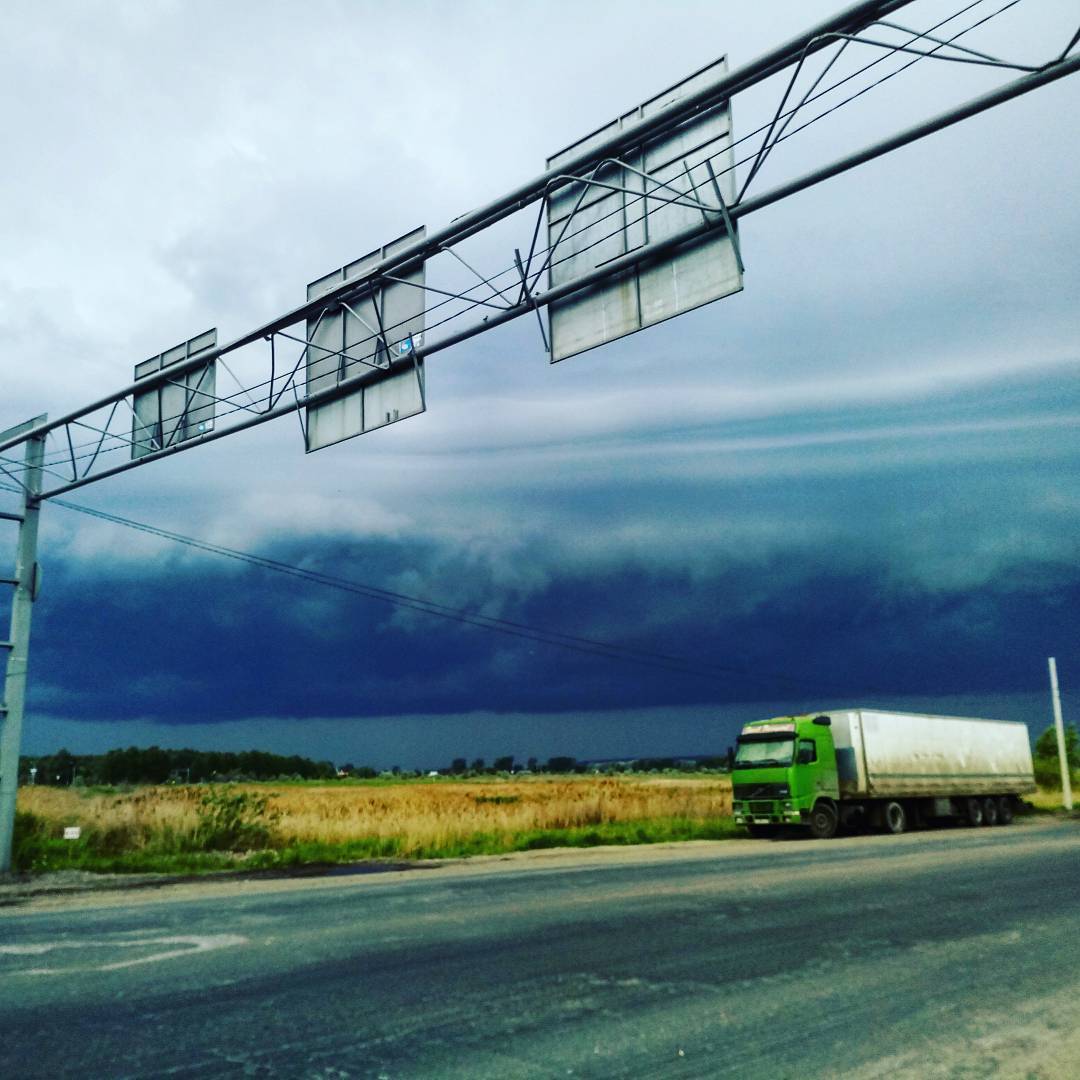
[(17, 647)]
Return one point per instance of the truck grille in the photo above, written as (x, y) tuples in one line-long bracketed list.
[(765, 808), (760, 791)]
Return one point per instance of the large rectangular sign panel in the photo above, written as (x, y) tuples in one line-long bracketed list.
[(179, 409), (656, 190), (375, 335)]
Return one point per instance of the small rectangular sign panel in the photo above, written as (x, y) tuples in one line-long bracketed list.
[(182, 408), (665, 186), (372, 335)]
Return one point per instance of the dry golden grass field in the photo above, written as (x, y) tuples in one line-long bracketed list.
[(401, 819)]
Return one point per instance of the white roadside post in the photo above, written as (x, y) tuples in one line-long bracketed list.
[(1066, 783), (13, 701)]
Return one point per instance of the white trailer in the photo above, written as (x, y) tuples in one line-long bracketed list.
[(910, 755), (944, 762)]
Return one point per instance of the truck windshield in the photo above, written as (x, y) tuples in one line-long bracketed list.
[(757, 755)]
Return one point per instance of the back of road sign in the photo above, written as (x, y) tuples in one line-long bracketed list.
[(369, 339), (669, 183), (180, 409)]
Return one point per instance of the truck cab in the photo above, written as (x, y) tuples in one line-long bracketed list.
[(785, 775)]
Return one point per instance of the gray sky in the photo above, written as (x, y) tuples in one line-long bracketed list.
[(862, 469)]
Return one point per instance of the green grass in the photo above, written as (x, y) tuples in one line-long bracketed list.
[(39, 853)]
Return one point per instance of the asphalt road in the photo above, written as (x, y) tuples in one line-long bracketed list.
[(952, 953)]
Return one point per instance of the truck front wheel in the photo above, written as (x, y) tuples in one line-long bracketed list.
[(823, 821)]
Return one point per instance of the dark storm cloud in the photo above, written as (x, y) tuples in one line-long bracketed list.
[(821, 632), (893, 577)]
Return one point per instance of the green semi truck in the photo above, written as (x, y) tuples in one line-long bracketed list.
[(863, 768)]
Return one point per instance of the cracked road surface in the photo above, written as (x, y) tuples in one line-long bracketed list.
[(950, 953)]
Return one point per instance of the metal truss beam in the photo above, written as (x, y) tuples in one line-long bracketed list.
[(534, 301), (852, 19), (494, 293)]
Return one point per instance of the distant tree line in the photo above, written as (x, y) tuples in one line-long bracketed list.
[(563, 764), (154, 765)]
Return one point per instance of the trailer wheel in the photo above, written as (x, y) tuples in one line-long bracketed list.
[(990, 811), (823, 821), (896, 818), (1005, 810), (973, 811)]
